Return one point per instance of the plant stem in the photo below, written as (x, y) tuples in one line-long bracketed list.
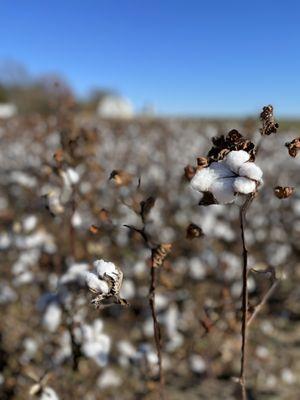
[(156, 327), (243, 211)]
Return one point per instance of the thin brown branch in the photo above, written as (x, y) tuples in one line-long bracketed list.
[(243, 212), (264, 300), (156, 327), (154, 265)]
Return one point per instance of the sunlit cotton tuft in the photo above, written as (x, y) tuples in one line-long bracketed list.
[(228, 178), (105, 281)]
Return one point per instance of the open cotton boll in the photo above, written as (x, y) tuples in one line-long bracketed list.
[(244, 185), (104, 267), (222, 189), (203, 180), (235, 159), (252, 171), (96, 285)]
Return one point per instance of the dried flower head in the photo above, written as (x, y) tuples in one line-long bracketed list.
[(194, 231), (225, 179), (268, 122), (293, 147), (284, 192), (160, 253), (105, 282)]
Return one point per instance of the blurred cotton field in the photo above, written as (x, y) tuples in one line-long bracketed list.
[(60, 212)]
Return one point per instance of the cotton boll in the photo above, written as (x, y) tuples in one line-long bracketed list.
[(109, 378), (250, 170), (52, 317), (76, 220), (222, 189), (235, 159), (203, 180), (244, 185), (104, 267), (197, 364), (70, 177), (96, 285)]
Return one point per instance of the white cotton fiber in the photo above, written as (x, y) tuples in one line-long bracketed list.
[(250, 170), (235, 159), (96, 285), (221, 170), (104, 267), (203, 179), (244, 185), (222, 189), (52, 317)]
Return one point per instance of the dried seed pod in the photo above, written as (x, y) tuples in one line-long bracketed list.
[(189, 172), (233, 141), (194, 231), (268, 122), (283, 192), (160, 253), (293, 147)]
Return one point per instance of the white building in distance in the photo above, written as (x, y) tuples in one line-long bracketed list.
[(114, 106), (7, 110)]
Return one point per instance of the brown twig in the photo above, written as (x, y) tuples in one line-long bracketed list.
[(152, 289), (243, 212), (266, 297), (156, 327)]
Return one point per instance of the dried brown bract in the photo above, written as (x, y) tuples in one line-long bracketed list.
[(121, 178), (268, 122), (104, 215), (207, 199), (146, 207), (293, 147), (284, 192), (58, 156), (189, 172), (194, 231), (94, 229), (234, 140), (202, 162), (160, 253)]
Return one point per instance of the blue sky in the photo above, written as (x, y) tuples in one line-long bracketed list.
[(185, 57)]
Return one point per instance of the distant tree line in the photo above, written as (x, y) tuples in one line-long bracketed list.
[(43, 94)]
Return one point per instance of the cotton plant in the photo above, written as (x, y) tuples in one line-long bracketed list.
[(227, 173), (105, 282)]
